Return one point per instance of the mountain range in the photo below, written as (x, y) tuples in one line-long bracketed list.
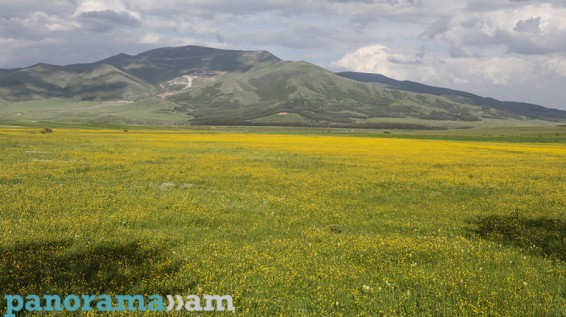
[(199, 85)]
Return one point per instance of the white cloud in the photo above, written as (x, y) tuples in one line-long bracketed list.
[(103, 5), (40, 20), (102, 15), (150, 38), (528, 74), (529, 29), (555, 65), (479, 43)]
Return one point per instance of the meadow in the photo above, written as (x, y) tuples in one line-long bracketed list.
[(288, 224)]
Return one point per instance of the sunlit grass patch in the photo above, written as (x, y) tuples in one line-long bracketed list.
[(287, 224)]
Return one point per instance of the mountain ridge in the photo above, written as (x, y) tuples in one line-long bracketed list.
[(201, 85), (526, 108)]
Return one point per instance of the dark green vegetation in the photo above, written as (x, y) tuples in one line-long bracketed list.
[(164, 64), (81, 82), (205, 86), (541, 236), (94, 269), (540, 134)]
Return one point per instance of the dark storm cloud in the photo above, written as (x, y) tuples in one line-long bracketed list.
[(109, 16), (531, 25), (106, 20)]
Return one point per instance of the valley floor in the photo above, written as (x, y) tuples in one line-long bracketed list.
[(307, 223)]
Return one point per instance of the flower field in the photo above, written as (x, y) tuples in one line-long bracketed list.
[(289, 225)]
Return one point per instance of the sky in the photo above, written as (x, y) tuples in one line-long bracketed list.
[(507, 49)]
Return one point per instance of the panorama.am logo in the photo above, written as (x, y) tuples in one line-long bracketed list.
[(115, 303)]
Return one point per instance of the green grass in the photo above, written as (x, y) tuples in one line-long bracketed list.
[(514, 134), (151, 110), (300, 224)]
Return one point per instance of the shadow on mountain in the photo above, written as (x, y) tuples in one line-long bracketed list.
[(60, 268), (541, 236)]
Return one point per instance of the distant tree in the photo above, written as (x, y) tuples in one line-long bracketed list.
[(46, 130)]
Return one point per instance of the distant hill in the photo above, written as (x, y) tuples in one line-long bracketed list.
[(167, 63), (199, 85), (314, 96), (518, 108), (85, 81)]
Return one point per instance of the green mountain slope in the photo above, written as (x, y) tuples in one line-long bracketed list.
[(314, 96), (164, 64), (107, 83), (35, 82), (87, 81), (199, 85), (517, 108), (151, 110)]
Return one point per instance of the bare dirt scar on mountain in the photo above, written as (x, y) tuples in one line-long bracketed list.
[(186, 81)]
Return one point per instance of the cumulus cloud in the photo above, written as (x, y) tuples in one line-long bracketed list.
[(526, 75), (531, 25), (479, 43), (434, 68), (101, 16), (527, 29), (112, 17), (99, 6)]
